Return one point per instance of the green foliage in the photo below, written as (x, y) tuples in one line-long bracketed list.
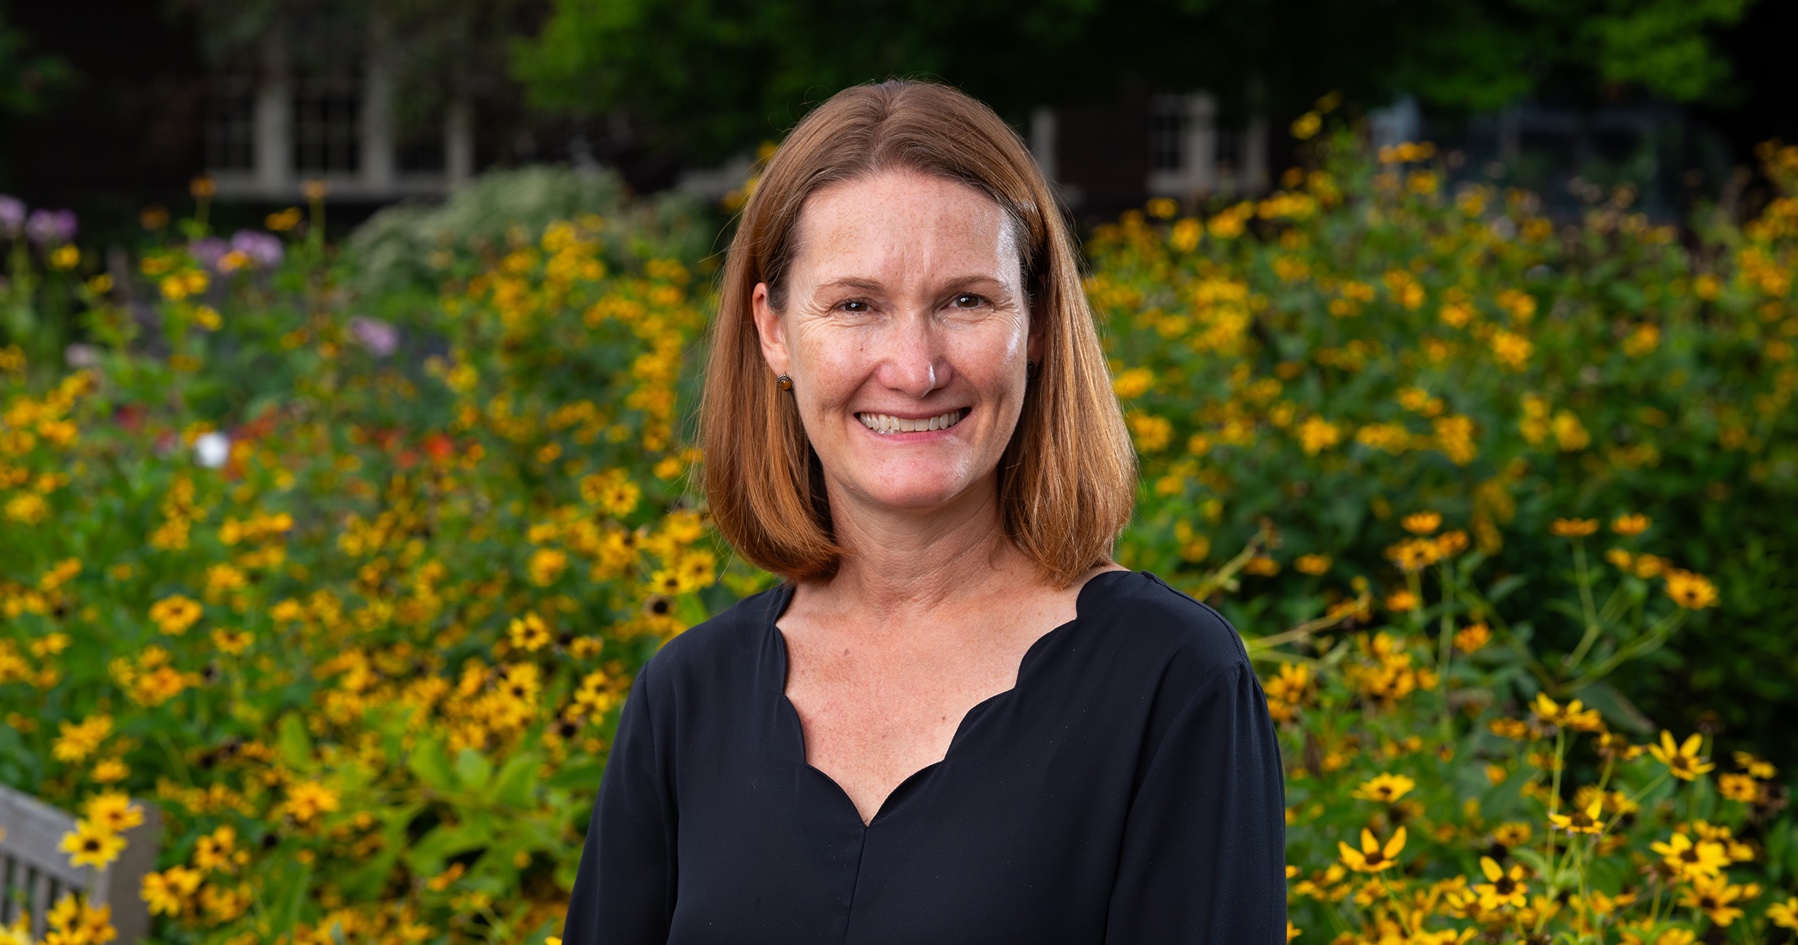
[(765, 64), (367, 650)]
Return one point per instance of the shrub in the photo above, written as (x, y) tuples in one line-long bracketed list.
[(360, 615)]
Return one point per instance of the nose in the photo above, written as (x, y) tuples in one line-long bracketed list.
[(914, 364)]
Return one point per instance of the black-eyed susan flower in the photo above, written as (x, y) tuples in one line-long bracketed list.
[(1422, 523), (1683, 760), (1688, 859), (169, 892), (1385, 788), (113, 811), (1573, 715), (1691, 590), (1504, 888), (92, 844), (1755, 766), (173, 615), (1738, 787), (1715, 897), (1415, 554), (1373, 856), (306, 800), (1312, 564), (1627, 525), (1472, 637), (1513, 834), (528, 633), (1784, 914), (1574, 527), (1580, 820)]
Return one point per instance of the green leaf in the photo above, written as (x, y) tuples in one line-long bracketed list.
[(516, 785), (293, 743), (473, 769), (289, 898), (432, 765)]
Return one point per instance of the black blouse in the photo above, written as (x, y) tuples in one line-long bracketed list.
[(1127, 790)]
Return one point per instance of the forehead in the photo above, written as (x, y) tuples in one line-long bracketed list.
[(903, 218)]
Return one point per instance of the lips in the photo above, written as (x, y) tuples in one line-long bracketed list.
[(887, 424)]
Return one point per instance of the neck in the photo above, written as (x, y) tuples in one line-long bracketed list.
[(903, 562)]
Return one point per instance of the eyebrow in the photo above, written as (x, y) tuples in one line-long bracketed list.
[(872, 285)]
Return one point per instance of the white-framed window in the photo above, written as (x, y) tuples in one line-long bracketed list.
[(297, 113)]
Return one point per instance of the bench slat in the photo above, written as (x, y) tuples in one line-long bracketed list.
[(32, 862)]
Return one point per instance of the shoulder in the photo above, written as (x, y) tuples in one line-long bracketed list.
[(724, 645), (1155, 622)]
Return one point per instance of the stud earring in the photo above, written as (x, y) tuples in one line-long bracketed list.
[(784, 382)]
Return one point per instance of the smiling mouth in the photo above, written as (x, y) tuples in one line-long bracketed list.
[(884, 423)]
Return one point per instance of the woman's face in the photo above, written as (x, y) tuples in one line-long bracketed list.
[(906, 336)]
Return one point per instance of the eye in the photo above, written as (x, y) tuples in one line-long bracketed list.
[(856, 306), (968, 300)]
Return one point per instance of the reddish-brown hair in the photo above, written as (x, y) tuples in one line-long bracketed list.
[(1067, 480)]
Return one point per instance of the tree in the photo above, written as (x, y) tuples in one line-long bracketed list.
[(26, 76), (714, 76)]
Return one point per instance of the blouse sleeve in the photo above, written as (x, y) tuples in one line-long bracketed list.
[(624, 889), (1204, 848)]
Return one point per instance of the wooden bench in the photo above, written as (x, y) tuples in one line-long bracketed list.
[(35, 872)]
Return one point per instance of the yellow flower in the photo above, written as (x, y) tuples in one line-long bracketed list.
[(1472, 637), (1755, 766), (1414, 554), (308, 799), (1372, 857), (1682, 761), (1630, 524), (91, 844), (110, 771), (1513, 834), (1312, 564), (1688, 859), (1401, 601), (1738, 787), (1133, 383), (1713, 896), (529, 633), (1690, 590), (1505, 889), (1422, 523), (1574, 527), (174, 615), (78, 740), (167, 892), (1580, 821), (1573, 715), (1385, 788), (1317, 434), (114, 811), (1784, 914), (547, 565)]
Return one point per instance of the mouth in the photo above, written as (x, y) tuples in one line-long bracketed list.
[(887, 424)]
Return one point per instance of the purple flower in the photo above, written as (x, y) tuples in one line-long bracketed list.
[(262, 248), (50, 227), (207, 251), (379, 337), (12, 217)]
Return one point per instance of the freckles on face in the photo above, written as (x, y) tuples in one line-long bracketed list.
[(906, 333)]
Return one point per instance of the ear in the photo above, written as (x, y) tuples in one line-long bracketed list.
[(771, 329)]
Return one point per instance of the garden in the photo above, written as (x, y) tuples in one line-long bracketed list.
[(343, 554)]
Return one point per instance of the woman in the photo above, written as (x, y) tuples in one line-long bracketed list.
[(957, 720)]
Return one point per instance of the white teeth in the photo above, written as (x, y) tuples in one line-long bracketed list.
[(885, 423)]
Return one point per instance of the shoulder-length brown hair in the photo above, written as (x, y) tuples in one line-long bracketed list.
[(1067, 479)]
